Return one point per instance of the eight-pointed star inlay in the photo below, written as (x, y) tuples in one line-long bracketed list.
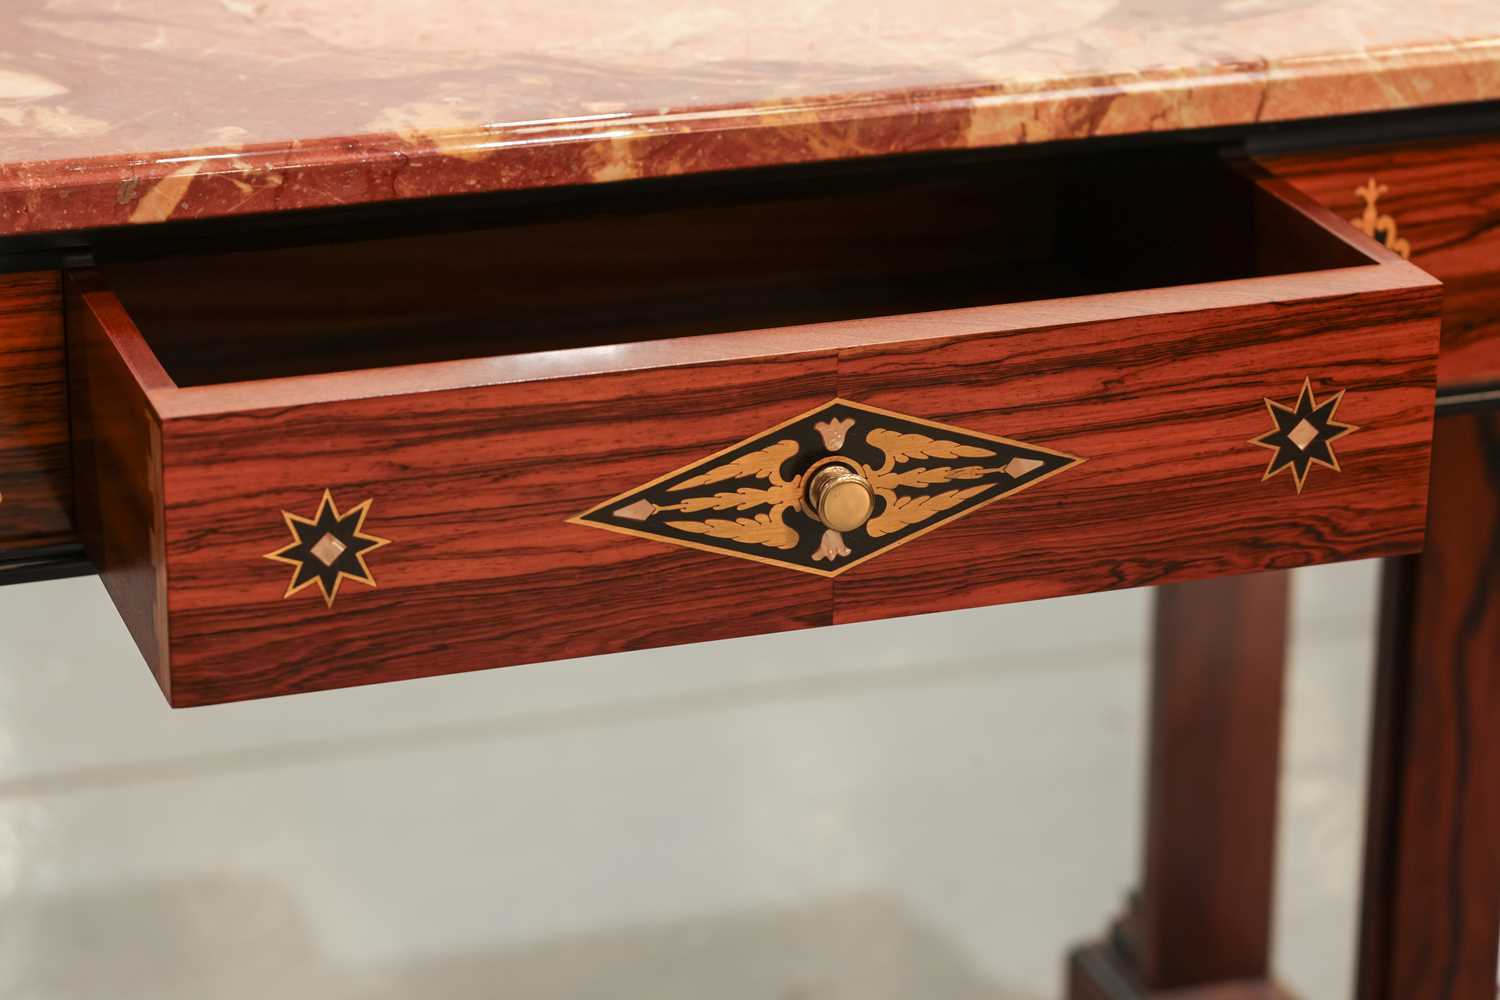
[(328, 549), (1303, 434)]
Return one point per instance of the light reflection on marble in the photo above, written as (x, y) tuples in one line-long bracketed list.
[(144, 110)]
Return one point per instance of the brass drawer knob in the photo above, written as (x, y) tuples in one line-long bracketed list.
[(840, 497)]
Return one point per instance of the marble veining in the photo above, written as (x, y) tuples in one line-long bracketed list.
[(137, 111)]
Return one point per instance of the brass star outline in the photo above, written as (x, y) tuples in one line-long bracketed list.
[(328, 510), (1320, 417)]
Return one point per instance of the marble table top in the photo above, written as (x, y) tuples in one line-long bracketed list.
[(138, 111)]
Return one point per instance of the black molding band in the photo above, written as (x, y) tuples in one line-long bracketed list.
[(54, 562)]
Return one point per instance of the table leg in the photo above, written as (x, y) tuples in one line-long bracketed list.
[(1430, 920), (1200, 923)]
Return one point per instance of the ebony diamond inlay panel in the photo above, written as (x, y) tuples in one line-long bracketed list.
[(750, 500)]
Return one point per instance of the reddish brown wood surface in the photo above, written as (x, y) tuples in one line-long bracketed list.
[(1444, 197), (633, 267), (35, 478), (473, 487), (1201, 916), (624, 268), (474, 467), (1431, 907), (1158, 408), (117, 460), (1203, 912)]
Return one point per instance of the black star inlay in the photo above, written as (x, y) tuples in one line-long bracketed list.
[(1304, 434), (329, 549)]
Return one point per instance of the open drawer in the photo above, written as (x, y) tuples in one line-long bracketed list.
[(687, 413)]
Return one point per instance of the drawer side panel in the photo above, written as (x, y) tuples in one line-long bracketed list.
[(117, 461)]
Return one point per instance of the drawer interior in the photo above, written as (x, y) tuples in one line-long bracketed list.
[(644, 262)]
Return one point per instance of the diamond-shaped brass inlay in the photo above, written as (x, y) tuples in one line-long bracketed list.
[(1303, 435), (328, 550), (749, 500)]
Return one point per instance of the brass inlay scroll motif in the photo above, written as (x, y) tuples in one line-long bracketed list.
[(328, 549), (750, 500), (1375, 224), (1302, 434)]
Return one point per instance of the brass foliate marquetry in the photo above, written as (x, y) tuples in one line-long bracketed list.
[(828, 489), (1377, 224), (1302, 434)]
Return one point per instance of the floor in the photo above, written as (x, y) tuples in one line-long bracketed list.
[(933, 807)]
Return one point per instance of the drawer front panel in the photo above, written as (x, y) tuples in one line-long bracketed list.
[(35, 487), (1439, 204), (475, 556), (473, 490), (1171, 415), (541, 489)]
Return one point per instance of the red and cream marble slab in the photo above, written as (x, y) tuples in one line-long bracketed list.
[(132, 111)]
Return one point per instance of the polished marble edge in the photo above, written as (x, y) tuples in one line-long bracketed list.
[(71, 194)]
